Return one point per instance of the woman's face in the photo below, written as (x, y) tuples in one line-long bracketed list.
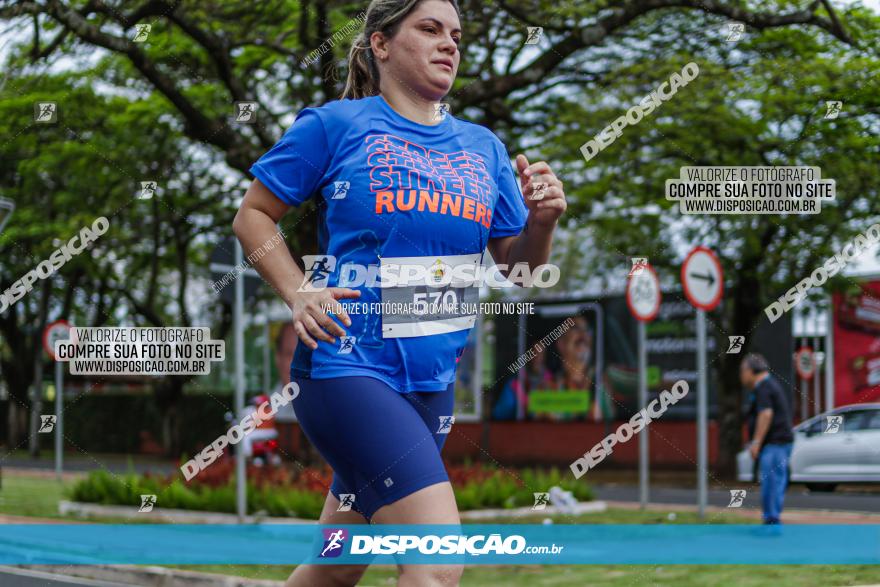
[(423, 56)]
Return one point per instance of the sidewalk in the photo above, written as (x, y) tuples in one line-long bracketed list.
[(789, 516)]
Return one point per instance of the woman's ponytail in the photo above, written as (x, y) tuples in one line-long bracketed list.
[(383, 16), (363, 77)]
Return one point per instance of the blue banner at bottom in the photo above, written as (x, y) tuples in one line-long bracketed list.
[(517, 544)]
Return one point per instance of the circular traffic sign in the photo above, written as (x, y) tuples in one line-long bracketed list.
[(805, 362), (58, 330), (643, 294), (702, 278)]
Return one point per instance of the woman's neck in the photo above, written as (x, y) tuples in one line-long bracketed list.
[(410, 105)]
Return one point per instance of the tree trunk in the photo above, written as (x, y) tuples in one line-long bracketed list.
[(744, 314), (169, 392)]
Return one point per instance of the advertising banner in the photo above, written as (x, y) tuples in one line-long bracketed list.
[(857, 344)]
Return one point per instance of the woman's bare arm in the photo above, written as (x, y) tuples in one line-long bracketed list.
[(255, 226)]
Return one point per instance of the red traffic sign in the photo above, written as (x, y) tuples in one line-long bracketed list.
[(643, 293), (58, 330), (702, 278), (805, 362)]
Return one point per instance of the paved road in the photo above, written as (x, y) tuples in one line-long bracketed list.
[(797, 497), (10, 577)]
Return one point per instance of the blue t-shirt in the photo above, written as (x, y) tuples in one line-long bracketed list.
[(390, 188)]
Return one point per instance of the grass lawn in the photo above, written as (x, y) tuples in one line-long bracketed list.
[(38, 496)]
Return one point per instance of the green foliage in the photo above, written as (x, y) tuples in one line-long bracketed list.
[(109, 489), (500, 489)]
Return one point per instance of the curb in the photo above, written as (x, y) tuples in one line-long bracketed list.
[(793, 514), (587, 507), (191, 517), (173, 516)]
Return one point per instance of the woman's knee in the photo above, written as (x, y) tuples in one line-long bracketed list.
[(330, 575), (430, 575)]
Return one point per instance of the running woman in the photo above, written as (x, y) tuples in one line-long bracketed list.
[(397, 180)]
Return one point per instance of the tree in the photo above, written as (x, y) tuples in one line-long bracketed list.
[(199, 58), (759, 103), (65, 175)]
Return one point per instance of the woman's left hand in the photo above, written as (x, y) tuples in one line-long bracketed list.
[(542, 191)]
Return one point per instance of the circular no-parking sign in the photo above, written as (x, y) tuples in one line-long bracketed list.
[(58, 330), (805, 362), (643, 294), (702, 278)]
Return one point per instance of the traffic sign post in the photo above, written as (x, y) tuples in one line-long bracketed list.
[(58, 330), (247, 281), (805, 362), (703, 282), (643, 299), (805, 365)]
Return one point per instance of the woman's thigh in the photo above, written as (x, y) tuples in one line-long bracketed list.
[(383, 446)]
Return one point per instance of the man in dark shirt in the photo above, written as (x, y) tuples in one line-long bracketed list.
[(770, 430)]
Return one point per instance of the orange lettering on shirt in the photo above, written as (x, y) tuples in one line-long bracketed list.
[(481, 213), (408, 205), (468, 209), (384, 199), (432, 199), (452, 204)]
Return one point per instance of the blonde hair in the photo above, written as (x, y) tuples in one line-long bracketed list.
[(385, 17)]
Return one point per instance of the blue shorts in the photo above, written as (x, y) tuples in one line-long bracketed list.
[(382, 444)]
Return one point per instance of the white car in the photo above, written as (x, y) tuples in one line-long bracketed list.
[(840, 446)]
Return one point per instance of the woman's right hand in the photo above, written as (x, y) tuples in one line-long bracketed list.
[(312, 311)]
